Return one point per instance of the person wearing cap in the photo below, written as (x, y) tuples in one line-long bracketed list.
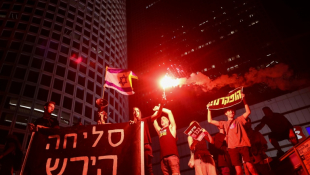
[(47, 121), (281, 129), (237, 139)]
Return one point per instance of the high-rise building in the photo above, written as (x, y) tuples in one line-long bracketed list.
[(212, 37), (57, 50), (215, 38)]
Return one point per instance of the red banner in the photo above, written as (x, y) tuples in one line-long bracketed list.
[(234, 97)]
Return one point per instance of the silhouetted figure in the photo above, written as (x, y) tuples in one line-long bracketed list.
[(219, 150), (11, 157), (280, 127), (259, 147)]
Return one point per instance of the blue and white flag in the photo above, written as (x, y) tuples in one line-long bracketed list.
[(120, 80)]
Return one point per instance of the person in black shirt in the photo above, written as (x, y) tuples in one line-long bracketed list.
[(47, 121), (219, 150), (258, 149), (280, 127), (148, 155)]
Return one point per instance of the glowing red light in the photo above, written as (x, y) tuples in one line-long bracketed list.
[(168, 82), (76, 60)]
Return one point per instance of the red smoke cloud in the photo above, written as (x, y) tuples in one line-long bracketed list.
[(279, 76)]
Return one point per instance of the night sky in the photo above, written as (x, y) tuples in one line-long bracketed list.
[(290, 18)]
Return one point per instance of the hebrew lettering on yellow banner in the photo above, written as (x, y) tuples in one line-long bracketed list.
[(234, 97)]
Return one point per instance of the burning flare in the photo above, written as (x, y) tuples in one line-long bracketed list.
[(169, 82), (279, 76)]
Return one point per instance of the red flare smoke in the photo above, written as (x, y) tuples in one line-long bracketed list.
[(279, 76)]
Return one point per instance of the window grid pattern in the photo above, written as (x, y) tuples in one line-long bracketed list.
[(58, 51)]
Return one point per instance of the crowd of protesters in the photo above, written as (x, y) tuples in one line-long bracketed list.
[(235, 149)]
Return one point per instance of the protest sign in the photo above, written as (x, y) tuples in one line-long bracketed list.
[(110, 149), (195, 131), (234, 97)]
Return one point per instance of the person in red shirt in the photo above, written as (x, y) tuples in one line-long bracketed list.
[(168, 144), (237, 138), (201, 158)]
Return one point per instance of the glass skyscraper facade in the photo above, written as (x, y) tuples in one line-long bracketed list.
[(57, 51), (214, 38)]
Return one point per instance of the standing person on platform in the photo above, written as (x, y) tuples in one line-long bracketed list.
[(148, 155), (220, 153), (47, 121), (102, 117), (168, 144), (201, 158), (237, 138), (258, 149), (280, 127)]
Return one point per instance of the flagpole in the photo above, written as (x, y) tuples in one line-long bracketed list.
[(103, 91), (27, 152), (105, 76)]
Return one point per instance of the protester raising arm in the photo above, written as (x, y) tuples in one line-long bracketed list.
[(247, 108), (208, 137), (168, 143), (156, 126), (210, 120), (172, 125), (191, 143), (158, 110)]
